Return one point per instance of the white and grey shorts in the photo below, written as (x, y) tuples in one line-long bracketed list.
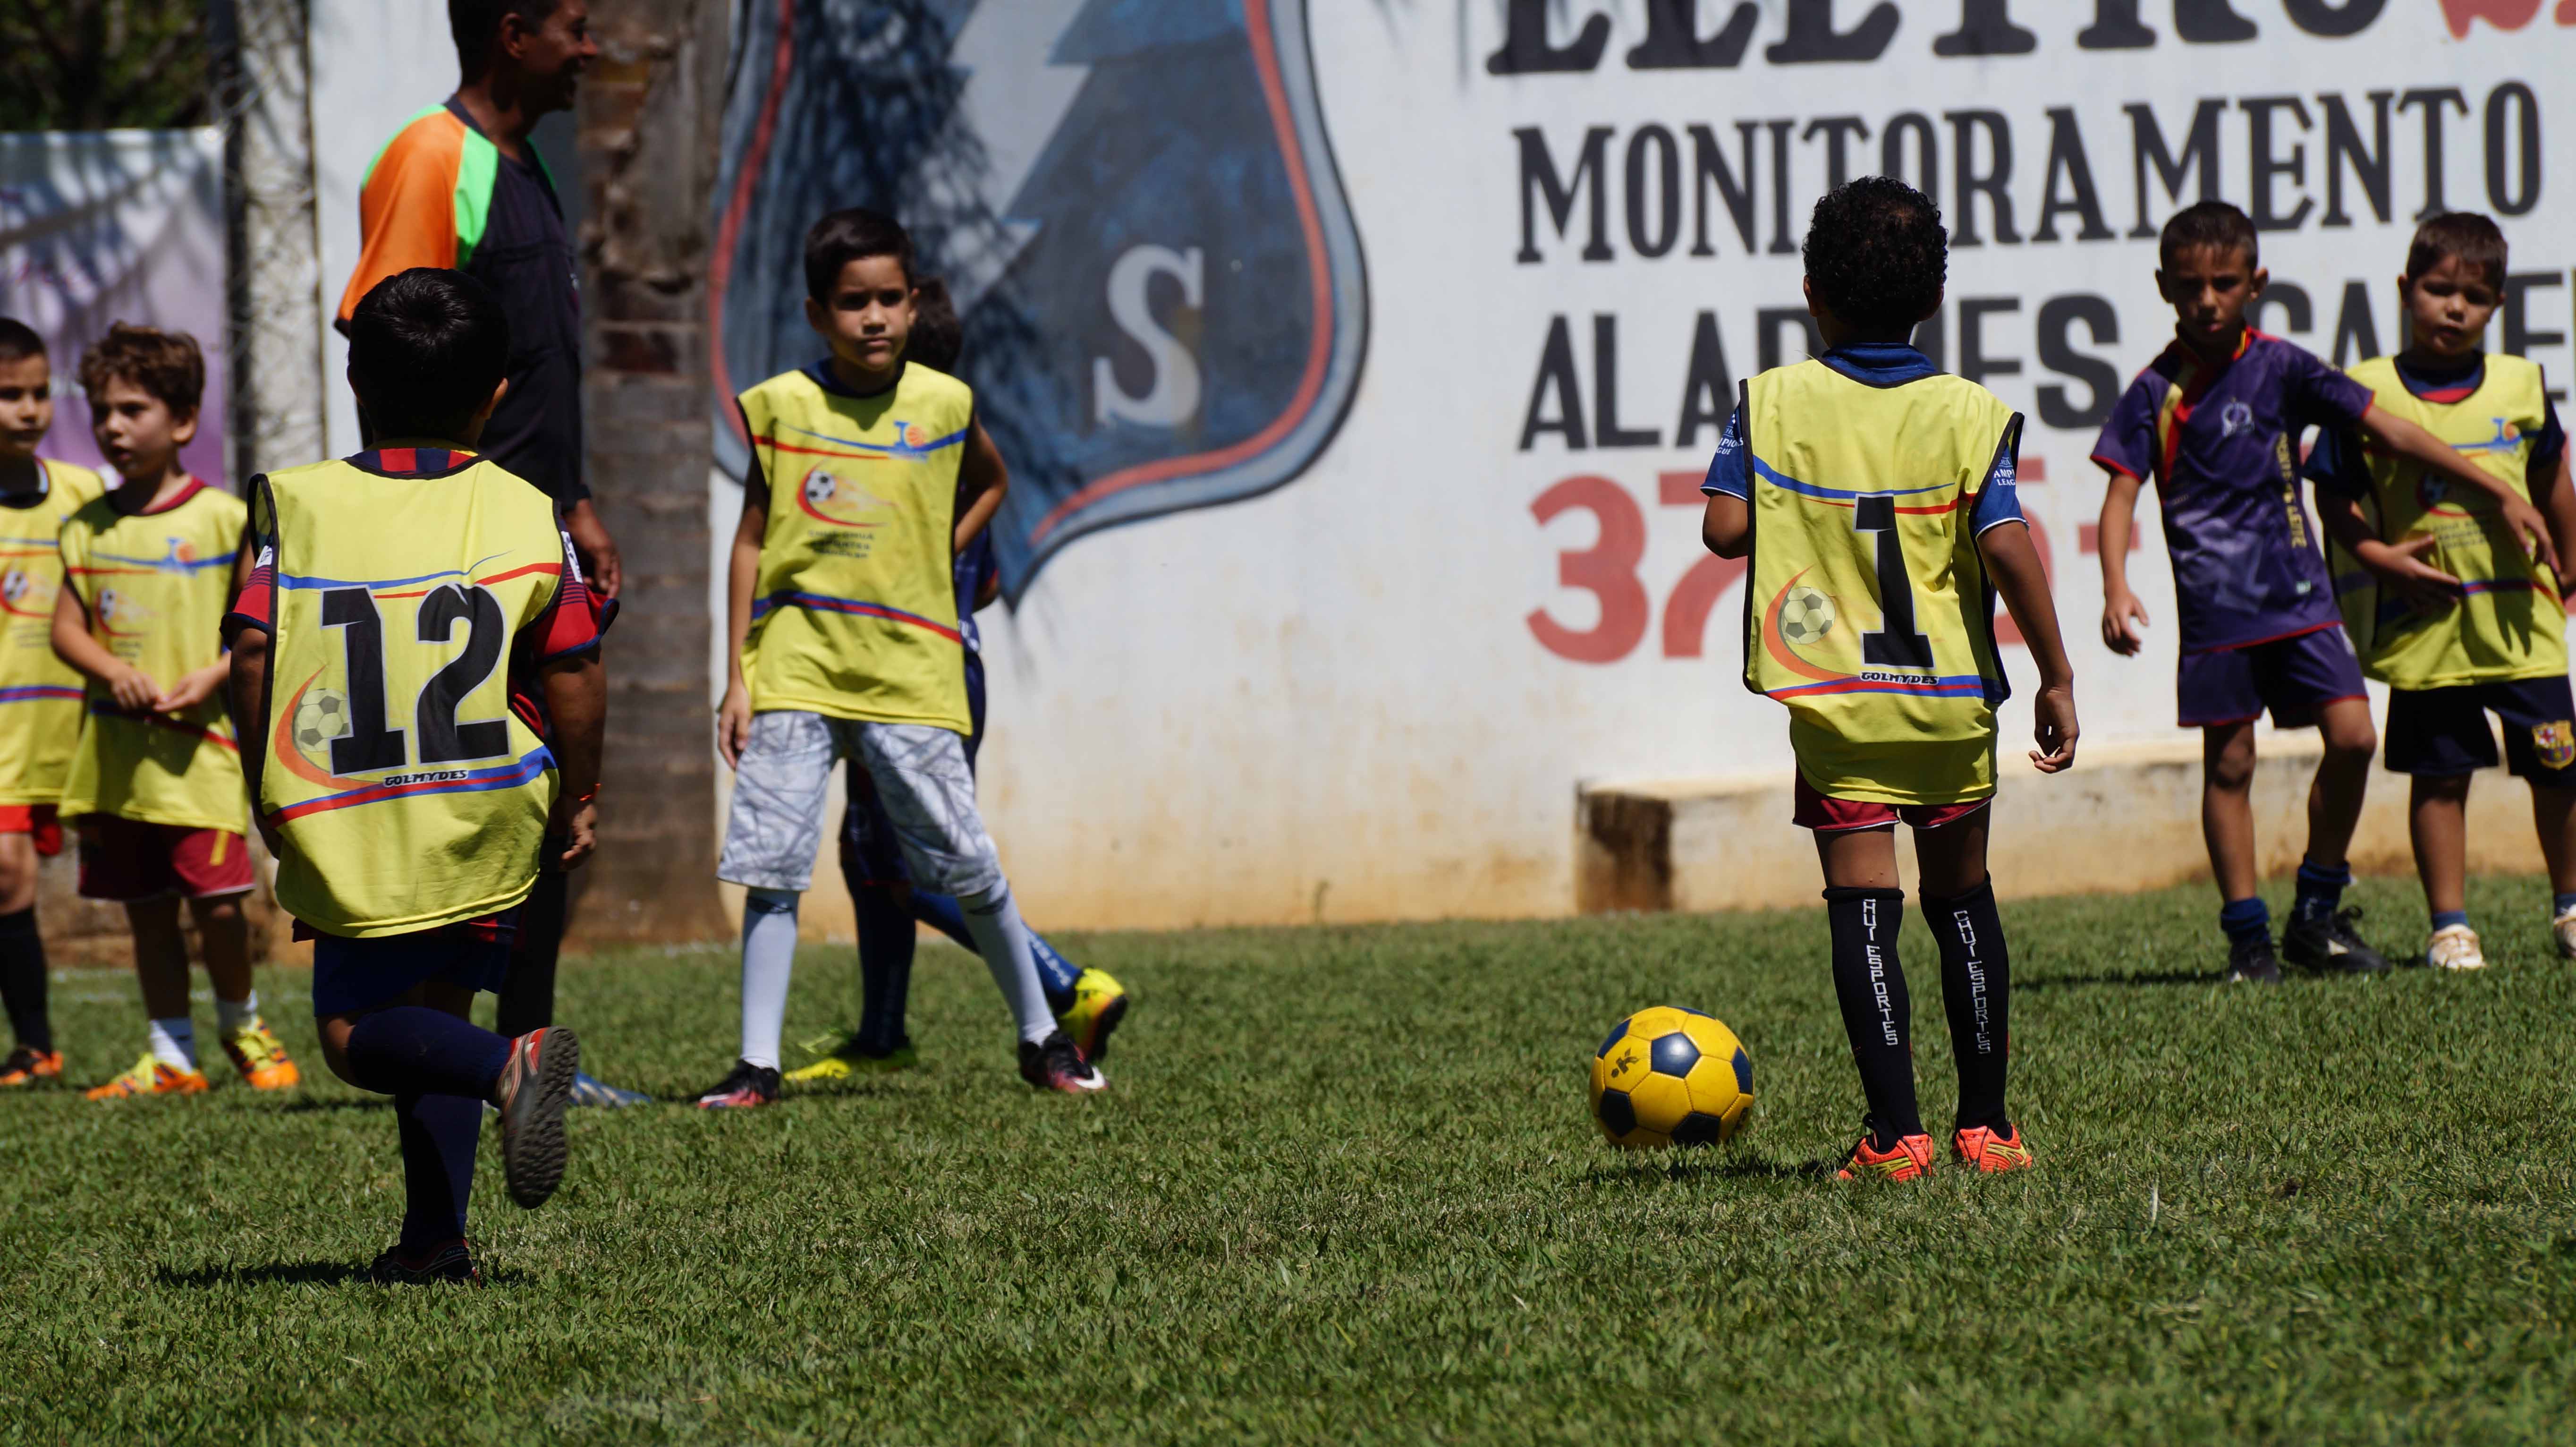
[(775, 826)]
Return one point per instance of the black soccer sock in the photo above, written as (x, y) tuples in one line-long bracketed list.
[(438, 1134), (1877, 1015), (22, 979), (528, 990), (1976, 993), (415, 1050), (886, 940)]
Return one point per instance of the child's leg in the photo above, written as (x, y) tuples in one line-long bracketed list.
[(887, 940), (441, 1069), (2227, 824), (1056, 974), (772, 832), (1976, 967), (161, 968), (2335, 798), (22, 949), (2437, 823), (438, 1135), (2553, 812), (1865, 909), (768, 964), (225, 937)]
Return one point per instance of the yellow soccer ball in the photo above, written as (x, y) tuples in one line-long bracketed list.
[(1671, 1077)]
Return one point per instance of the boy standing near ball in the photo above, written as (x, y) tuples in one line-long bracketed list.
[(2441, 601), (1875, 496), (2215, 421), (842, 621), (156, 783), (40, 695)]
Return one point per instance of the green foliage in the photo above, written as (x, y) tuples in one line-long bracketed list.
[(1344, 1188), (89, 65)]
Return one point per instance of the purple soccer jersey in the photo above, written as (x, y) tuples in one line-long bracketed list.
[(2223, 447)]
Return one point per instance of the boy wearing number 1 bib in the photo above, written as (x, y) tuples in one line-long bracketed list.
[(417, 682), (1875, 497)]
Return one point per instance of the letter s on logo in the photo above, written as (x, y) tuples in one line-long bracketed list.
[(1174, 396)]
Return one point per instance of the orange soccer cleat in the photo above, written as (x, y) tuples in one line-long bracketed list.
[(1908, 1162), (26, 1065), (150, 1077), (1989, 1152), (261, 1057)]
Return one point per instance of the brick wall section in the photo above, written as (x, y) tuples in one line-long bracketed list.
[(647, 139)]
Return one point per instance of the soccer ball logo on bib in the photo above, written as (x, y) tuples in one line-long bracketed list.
[(15, 585), (320, 716), (1806, 616), (828, 499)]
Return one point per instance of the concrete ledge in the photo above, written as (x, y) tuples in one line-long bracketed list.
[(2126, 818)]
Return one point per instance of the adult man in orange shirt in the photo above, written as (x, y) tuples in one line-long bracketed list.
[(461, 187)]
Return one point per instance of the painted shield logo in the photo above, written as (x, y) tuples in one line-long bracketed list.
[(1135, 209), (2554, 743)]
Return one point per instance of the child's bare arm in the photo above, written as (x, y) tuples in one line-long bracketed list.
[(576, 691), (2561, 509), (2400, 566), (247, 672), (983, 480), (2124, 618), (2430, 452), (131, 686), (2014, 565), (1727, 526), (733, 716)]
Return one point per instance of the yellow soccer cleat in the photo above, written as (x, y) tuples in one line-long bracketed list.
[(848, 1061), (26, 1065), (1099, 1004), (150, 1077), (261, 1057)]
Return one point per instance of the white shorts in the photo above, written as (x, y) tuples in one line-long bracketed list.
[(776, 824)]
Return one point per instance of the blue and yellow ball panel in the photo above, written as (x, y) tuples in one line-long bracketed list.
[(1670, 1076)]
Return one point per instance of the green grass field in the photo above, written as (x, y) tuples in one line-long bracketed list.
[(1345, 1188)]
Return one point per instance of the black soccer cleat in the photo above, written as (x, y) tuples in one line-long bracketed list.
[(748, 1085), (2326, 945), (2250, 961), (447, 1262), (1057, 1065), (536, 1085)]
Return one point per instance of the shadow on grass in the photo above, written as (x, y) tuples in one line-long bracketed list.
[(2087, 982), (1705, 1168), (293, 1273), (307, 1105)]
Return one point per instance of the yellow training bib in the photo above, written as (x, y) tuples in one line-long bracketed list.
[(855, 611), (40, 695), (1867, 610), (2512, 624), (156, 585), (408, 787)]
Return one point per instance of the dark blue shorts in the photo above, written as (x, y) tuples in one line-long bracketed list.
[(2443, 732), (351, 975), (2294, 678), (870, 852)]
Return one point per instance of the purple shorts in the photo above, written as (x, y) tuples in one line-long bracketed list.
[(2294, 678)]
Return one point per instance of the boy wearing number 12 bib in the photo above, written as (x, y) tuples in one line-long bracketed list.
[(417, 680), (1875, 496)]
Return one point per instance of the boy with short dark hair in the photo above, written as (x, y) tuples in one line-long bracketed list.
[(416, 665), (40, 695), (2216, 421), (156, 781), (844, 640), (1875, 496), (2441, 602), (1089, 1003)]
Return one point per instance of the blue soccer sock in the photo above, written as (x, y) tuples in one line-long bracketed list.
[(2321, 889), (1056, 974), (438, 1133), (2445, 918), (2246, 919), (2561, 903), (415, 1050), (886, 938)]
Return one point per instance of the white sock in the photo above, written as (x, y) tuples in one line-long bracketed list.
[(768, 959), (232, 1015), (174, 1043), (1003, 941)]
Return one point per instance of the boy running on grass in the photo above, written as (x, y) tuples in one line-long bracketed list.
[(416, 667), (2216, 421), (1876, 497), (156, 783), (2440, 599), (1089, 1003), (40, 695), (869, 474)]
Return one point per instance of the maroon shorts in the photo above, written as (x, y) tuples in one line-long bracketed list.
[(38, 820), (1834, 816), (128, 861)]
